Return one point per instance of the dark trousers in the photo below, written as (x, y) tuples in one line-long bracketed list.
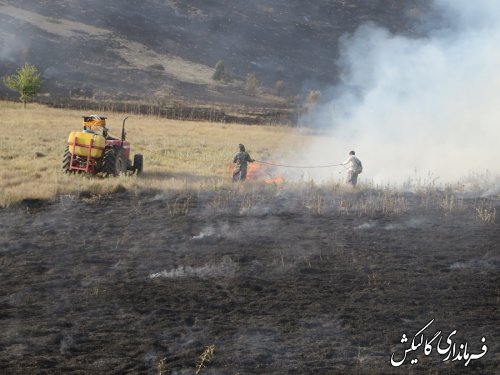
[(240, 174)]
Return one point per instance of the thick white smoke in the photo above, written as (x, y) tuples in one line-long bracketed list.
[(419, 107)]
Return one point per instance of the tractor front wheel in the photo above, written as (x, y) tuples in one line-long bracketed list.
[(113, 162)]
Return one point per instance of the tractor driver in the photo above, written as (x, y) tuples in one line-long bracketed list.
[(105, 132)]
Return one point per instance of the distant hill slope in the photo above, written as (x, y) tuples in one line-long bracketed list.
[(166, 50)]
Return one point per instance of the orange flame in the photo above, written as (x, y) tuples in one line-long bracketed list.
[(257, 171), (275, 180), (253, 171)]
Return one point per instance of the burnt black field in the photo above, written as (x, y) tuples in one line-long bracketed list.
[(288, 41), (141, 283)]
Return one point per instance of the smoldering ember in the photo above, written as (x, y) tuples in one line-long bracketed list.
[(278, 187)]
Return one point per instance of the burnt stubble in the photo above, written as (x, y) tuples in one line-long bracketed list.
[(128, 283)]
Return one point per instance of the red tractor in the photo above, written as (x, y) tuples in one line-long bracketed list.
[(94, 151)]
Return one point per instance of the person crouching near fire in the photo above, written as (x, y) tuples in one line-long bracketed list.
[(354, 168), (241, 159)]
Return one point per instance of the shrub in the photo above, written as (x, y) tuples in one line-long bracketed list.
[(222, 73), (219, 71), (252, 85)]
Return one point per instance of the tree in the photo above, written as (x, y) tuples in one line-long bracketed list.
[(26, 82)]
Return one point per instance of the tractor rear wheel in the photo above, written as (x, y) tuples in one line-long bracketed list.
[(138, 163), (66, 160), (113, 162)]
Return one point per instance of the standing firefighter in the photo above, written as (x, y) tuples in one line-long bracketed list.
[(241, 159), (354, 168)]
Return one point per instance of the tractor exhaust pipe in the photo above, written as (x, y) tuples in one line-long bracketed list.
[(123, 129)]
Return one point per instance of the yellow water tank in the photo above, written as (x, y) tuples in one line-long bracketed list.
[(83, 141)]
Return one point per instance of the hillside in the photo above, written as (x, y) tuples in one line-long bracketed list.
[(165, 51)]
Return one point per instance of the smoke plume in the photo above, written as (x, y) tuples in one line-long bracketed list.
[(424, 108)]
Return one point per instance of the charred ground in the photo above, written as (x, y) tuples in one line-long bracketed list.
[(277, 282), (166, 50)]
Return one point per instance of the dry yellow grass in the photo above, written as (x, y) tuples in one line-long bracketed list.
[(185, 157), (177, 155)]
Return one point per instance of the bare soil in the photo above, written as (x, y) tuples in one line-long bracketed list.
[(117, 284)]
